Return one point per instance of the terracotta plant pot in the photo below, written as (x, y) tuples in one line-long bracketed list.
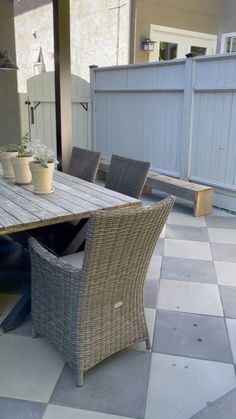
[(5, 158), (42, 177), (22, 170)]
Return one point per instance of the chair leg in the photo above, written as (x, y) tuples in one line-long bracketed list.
[(34, 333), (148, 344), (80, 379)]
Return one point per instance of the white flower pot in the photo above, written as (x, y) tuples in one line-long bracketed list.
[(5, 158), (42, 177), (22, 170)]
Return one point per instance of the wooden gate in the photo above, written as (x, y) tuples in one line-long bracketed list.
[(41, 110)]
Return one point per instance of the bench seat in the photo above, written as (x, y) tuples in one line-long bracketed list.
[(200, 195)]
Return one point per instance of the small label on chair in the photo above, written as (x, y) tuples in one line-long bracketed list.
[(118, 304)]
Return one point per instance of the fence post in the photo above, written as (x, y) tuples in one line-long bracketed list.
[(187, 119), (93, 105)]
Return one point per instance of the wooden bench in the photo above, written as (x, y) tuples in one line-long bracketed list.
[(200, 195)]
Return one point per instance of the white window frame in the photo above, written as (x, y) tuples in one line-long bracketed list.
[(181, 32), (223, 41)]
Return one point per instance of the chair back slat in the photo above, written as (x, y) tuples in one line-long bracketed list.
[(84, 163), (126, 175)]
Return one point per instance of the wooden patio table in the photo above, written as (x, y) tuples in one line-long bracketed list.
[(73, 199), (21, 209)]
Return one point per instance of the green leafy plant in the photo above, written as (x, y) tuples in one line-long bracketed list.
[(10, 148), (43, 155), (25, 150)]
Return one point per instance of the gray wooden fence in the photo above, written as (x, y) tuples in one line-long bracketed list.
[(180, 115)]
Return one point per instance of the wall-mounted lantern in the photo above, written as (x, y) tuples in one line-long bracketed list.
[(5, 62), (148, 45)]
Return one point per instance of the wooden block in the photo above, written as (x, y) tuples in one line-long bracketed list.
[(147, 189), (203, 202)]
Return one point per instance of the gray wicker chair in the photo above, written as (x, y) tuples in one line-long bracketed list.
[(126, 175), (84, 163), (95, 308)]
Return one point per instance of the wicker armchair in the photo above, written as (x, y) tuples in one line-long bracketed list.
[(84, 164), (127, 176), (95, 308)]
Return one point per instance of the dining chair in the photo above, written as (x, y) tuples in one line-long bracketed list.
[(84, 163), (90, 305), (127, 175)]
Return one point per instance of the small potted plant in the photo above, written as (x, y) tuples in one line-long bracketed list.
[(20, 163), (42, 168), (6, 152)]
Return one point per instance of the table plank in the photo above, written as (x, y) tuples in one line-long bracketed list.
[(36, 199), (73, 199), (96, 188)]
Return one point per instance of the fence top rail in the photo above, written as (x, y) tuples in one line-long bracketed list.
[(140, 65), (215, 57), (180, 61)]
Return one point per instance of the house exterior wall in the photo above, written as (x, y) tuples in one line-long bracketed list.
[(228, 16), (194, 15), (99, 35), (9, 110)]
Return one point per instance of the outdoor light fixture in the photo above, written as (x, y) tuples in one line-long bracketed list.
[(5, 62), (148, 45)]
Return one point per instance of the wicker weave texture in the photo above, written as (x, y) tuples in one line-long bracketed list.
[(84, 163), (126, 175), (93, 312)]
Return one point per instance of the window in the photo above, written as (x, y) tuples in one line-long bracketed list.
[(228, 43), (167, 51), (38, 61), (198, 50)]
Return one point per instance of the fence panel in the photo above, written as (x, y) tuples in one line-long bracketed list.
[(180, 115)]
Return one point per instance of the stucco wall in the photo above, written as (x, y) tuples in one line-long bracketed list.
[(40, 20), (193, 15), (99, 35), (9, 111), (228, 19)]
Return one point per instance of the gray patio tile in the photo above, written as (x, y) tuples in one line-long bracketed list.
[(29, 368), (231, 326), (226, 273), (154, 268), (187, 249), (180, 387), (188, 269), (228, 297), (116, 386), (186, 219), (222, 235), (224, 252), (158, 250), (228, 221), (151, 288), (223, 408), (61, 412), (182, 232), (20, 409), (192, 335), (25, 329), (189, 297)]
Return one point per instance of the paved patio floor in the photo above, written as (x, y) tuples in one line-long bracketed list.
[(190, 299)]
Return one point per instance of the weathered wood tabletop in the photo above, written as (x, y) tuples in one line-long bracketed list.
[(21, 209)]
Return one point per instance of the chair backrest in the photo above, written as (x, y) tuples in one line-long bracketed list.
[(118, 250), (126, 175), (84, 163)]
